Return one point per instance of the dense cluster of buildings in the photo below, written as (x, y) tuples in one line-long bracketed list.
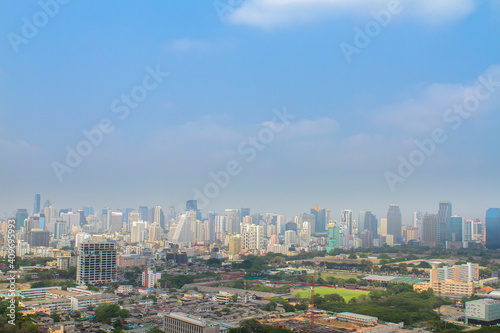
[(237, 231)]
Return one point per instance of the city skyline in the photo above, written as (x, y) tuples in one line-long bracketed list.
[(362, 130)]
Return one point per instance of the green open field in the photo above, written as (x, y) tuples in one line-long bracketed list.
[(338, 276), (345, 293)]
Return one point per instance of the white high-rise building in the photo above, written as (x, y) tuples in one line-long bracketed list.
[(253, 237), (290, 238), (96, 263), (346, 218), (150, 278), (383, 226), (154, 232), (233, 222), (418, 222), (220, 226), (138, 232), (183, 234)]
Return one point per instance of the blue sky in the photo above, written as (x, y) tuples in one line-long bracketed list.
[(227, 73)]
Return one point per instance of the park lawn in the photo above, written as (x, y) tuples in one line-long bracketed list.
[(345, 293)]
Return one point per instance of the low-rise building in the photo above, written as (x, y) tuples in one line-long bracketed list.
[(483, 312), (357, 318), (176, 322)]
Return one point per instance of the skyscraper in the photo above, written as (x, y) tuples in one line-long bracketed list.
[(144, 213), (418, 223), (454, 229), (333, 237), (21, 215), (493, 228), (191, 205), (394, 223), (320, 219), (442, 218), (368, 221), (346, 218), (36, 205), (96, 263), (429, 223)]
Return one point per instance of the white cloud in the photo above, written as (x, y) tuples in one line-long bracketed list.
[(273, 13), (427, 110)]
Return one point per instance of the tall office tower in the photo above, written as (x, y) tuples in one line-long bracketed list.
[(311, 219), (418, 223), (21, 215), (50, 214), (88, 211), (394, 222), (144, 213), (320, 219), (346, 218), (493, 229), (159, 217), (47, 204), (233, 222), (171, 213), (280, 225), (155, 232), (138, 232), (468, 228), (60, 227), (38, 237), (32, 222), (126, 213), (344, 236), (134, 216), (191, 205), (291, 226), (253, 237), (183, 234), (429, 222), (290, 238), (244, 212), (72, 219), (305, 234), (366, 238), (454, 229), (83, 219), (96, 263), (368, 221), (383, 226), (41, 221), (116, 221), (36, 205), (220, 226), (208, 231), (442, 218), (235, 245), (333, 237)]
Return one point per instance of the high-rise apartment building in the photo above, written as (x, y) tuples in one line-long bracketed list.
[(155, 232), (96, 263), (150, 278), (235, 245)]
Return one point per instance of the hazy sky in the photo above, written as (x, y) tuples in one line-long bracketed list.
[(358, 100)]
